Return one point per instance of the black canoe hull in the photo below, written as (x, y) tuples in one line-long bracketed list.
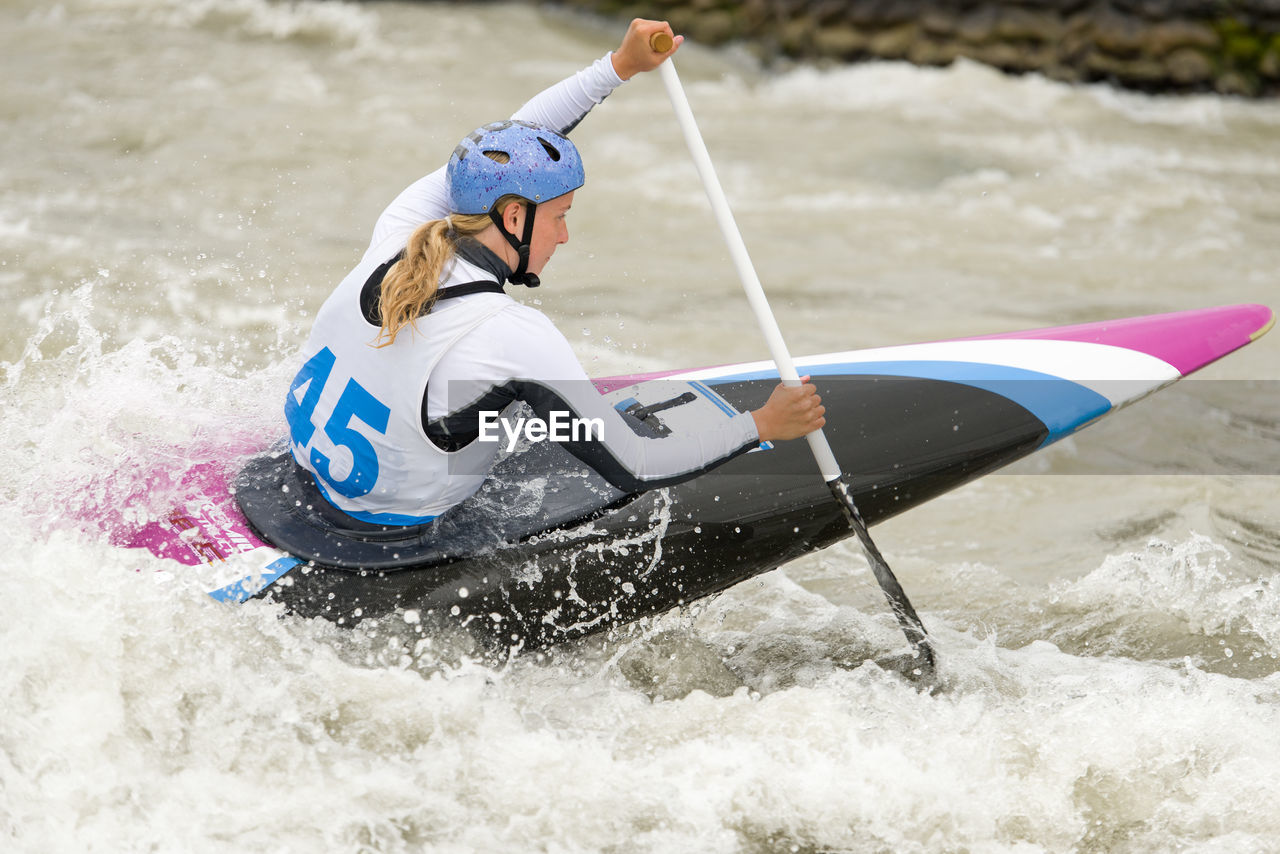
[(644, 555)]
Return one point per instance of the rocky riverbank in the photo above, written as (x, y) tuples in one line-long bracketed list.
[(1227, 46)]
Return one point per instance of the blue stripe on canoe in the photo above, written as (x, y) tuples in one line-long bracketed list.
[(1062, 405), (714, 397), (247, 587)]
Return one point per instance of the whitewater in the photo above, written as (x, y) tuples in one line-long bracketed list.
[(181, 185)]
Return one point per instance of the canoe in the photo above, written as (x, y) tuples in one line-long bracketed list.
[(548, 551)]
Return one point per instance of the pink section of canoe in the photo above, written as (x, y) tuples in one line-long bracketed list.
[(1187, 340), (207, 527)]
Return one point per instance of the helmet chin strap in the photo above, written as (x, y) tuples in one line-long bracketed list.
[(521, 276)]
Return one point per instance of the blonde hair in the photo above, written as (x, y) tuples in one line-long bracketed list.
[(410, 286)]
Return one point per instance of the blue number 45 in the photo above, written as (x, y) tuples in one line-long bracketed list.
[(354, 403)]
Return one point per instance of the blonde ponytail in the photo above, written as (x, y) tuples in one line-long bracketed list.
[(410, 286)]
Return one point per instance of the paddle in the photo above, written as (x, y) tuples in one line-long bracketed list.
[(818, 444)]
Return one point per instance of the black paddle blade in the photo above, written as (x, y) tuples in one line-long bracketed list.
[(898, 601)]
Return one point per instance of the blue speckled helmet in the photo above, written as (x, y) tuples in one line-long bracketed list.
[(542, 165)]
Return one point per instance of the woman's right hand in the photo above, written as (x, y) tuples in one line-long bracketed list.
[(635, 55), (790, 412)]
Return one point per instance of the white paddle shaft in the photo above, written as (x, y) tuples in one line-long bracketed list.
[(741, 260)]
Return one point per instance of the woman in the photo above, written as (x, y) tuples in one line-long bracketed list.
[(419, 342)]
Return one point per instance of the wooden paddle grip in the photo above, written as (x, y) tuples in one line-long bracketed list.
[(660, 42)]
